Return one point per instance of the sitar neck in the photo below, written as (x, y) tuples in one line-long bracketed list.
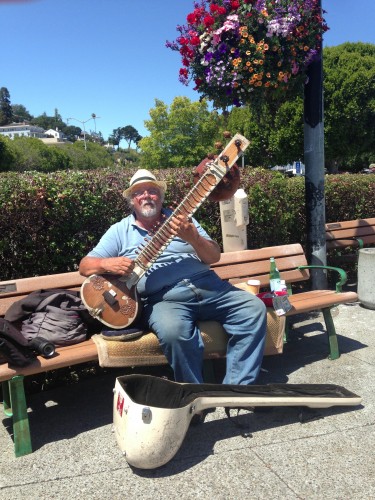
[(215, 171)]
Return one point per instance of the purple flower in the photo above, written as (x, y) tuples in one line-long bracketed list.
[(223, 48), (260, 5)]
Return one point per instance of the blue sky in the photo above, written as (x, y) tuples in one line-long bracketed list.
[(108, 57)]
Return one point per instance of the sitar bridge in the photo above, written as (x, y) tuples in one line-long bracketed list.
[(110, 297)]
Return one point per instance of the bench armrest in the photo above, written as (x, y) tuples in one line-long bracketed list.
[(342, 273)]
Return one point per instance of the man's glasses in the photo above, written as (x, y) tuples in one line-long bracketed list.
[(141, 192)]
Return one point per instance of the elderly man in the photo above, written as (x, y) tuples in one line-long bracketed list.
[(180, 289)]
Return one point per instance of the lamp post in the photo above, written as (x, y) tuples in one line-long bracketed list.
[(314, 171), (92, 117)]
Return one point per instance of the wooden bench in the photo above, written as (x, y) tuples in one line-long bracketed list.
[(351, 234), (236, 267)]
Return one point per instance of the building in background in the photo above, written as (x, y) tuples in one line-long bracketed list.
[(22, 130), (52, 136)]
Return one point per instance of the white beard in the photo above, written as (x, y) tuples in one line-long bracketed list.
[(150, 210)]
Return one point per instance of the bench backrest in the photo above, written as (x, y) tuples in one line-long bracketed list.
[(340, 234), (233, 266), (13, 290), (255, 264)]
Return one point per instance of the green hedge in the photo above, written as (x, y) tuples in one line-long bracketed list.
[(48, 222)]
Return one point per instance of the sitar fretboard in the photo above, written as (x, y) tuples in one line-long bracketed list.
[(215, 171)]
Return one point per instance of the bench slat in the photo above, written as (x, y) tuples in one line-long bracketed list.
[(343, 234), (258, 255), (65, 356), (260, 270), (342, 243), (318, 299), (349, 224), (6, 302), (27, 285)]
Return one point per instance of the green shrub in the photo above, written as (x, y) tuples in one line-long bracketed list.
[(49, 221), (7, 156), (28, 153)]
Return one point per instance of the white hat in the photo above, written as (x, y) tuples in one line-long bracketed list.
[(140, 177)]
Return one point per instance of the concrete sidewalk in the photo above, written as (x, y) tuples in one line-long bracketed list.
[(329, 456)]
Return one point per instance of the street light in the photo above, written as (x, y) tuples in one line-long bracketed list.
[(93, 117)]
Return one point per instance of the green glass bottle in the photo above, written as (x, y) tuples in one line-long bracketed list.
[(274, 276)]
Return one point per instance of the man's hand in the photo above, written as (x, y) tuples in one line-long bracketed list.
[(206, 249), (118, 265), (184, 228), (122, 266)]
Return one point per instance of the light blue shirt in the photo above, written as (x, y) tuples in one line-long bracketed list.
[(178, 261)]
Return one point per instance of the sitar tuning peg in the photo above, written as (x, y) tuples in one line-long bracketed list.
[(218, 145), (227, 134)]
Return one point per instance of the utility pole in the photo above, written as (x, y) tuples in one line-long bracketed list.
[(314, 171), (93, 117)]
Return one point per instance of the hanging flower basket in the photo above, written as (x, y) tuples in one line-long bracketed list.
[(238, 51)]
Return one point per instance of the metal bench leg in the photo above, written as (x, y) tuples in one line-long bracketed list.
[(331, 332), (21, 428), (288, 325)]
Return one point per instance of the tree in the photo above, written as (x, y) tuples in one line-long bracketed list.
[(349, 105), (47, 122), (256, 126), (20, 113), (6, 113), (71, 132), (130, 134), (286, 137), (180, 136), (115, 137), (276, 130), (136, 140)]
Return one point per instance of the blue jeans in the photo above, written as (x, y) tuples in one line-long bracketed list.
[(173, 313)]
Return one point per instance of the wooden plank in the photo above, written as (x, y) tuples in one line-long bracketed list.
[(6, 302), (65, 356), (289, 277), (27, 285), (349, 224), (318, 299), (343, 243), (332, 244), (342, 234), (260, 269), (258, 255)]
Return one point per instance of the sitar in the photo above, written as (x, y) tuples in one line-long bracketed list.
[(113, 300)]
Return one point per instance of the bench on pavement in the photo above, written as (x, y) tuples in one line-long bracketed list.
[(236, 267), (351, 234)]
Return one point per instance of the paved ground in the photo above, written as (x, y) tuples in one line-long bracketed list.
[(329, 456)]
